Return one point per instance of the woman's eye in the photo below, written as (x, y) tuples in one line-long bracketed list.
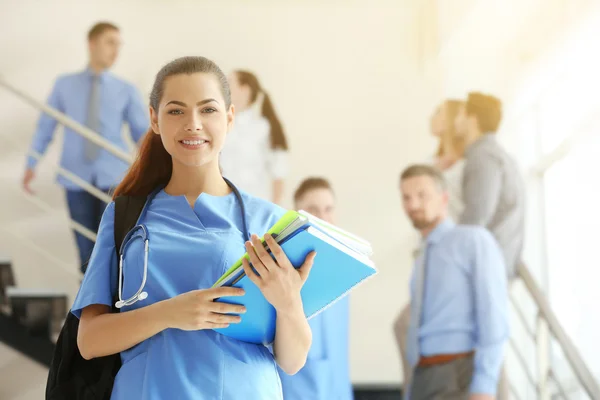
[(209, 110), (175, 112)]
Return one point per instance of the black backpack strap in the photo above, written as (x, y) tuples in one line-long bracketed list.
[(127, 212)]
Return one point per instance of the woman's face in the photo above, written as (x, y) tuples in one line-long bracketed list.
[(240, 94), (192, 118)]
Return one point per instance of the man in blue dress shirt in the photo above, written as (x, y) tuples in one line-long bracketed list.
[(459, 299), (102, 102)]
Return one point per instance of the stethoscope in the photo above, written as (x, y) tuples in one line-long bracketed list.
[(141, 231)]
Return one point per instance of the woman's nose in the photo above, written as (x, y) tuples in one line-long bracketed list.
[(194, 124)]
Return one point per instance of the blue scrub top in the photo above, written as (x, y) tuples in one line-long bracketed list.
[(326, 374), (189, 249)]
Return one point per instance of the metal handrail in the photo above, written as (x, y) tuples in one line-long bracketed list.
[(86, 133), (49, 256), (71, 123), (521, 359), (579, 367), (91, 189), (76, 226), (94, 191), (561, 389), (565, 147), (522, 317)]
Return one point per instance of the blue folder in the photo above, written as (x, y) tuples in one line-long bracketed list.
[(337, 269)]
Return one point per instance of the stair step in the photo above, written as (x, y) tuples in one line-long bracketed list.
[(7, 279), (33, 293), (19, 338), (42, 311)]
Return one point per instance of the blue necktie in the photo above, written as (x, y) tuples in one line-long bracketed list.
[(416, 308), (93, 119)]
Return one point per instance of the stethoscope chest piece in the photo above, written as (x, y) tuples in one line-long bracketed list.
[(121, 303)]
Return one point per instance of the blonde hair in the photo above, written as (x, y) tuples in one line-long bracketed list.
[(449, 140), (487, 109)]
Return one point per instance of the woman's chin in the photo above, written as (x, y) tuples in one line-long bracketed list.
[(193, 162)]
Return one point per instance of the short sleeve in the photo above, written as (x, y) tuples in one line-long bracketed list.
[(278, 163), (100, 279)]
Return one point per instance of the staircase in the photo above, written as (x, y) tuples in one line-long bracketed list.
[(29, 319)]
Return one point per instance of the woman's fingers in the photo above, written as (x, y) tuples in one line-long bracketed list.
[(250, 272), (214, 325), (217, 318), (255, 260), (262, 253), (280, 257), (226, 308), (304, 270), (222, 291)]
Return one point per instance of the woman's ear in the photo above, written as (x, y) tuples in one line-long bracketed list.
[(230, 117), (154, 121)]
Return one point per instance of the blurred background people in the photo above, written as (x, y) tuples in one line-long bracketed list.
[(493, 188), (326, 374), (450, 153), (459, 299), (255, 156), (103, 102), (449, 160)]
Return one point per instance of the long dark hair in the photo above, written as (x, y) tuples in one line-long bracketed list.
[(278, 140), (154, 165)]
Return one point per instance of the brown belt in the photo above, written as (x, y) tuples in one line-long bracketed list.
[(442, 358)]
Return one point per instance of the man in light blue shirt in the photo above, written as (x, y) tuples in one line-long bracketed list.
[(102, 102), (459, 299)]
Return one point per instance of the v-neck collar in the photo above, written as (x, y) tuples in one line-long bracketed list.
[(203, 200)]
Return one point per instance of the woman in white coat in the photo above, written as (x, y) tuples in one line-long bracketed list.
[(255, 156)]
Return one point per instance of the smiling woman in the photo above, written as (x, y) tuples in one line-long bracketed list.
[(190, 102), (166, 340)]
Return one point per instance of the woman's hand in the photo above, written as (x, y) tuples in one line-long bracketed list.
[(277, 278), (197, 309)]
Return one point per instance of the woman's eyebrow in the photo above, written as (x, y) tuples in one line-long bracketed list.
[(182, 104)]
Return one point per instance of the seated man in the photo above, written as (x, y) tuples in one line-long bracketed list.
[(326, 374), (459, 301)]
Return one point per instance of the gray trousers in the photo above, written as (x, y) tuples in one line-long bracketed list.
[(401, 332), (449, 381)]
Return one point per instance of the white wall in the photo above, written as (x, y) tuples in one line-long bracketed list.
[(342, 75)]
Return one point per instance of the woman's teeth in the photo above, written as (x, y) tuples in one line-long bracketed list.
[(193, 142)]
